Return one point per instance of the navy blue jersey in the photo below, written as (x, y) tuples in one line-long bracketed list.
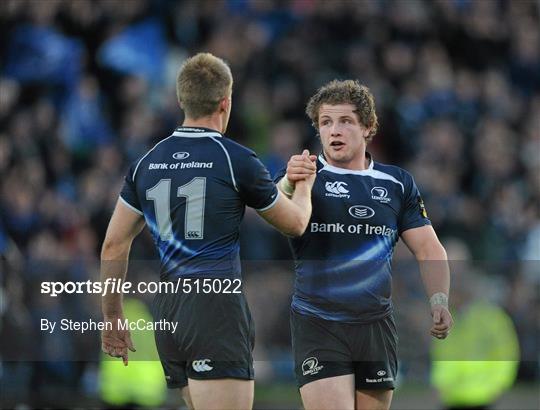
[(192, 189), (343, 260)]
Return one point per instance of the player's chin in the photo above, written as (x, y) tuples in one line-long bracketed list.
[(339, 156)]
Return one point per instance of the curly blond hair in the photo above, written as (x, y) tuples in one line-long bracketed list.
[(345, 92)]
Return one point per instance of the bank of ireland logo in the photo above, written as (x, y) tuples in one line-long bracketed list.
[(380, 194), (337, 189), (180, 155), (201, 365), (310, 366), (381, 373), (361, 212)]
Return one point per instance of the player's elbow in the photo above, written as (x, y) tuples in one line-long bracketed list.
[(107, 249), (295, 232), (431, 250), (299, 226), (113, 249)]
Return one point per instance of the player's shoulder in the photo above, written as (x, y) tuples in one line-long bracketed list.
[(236, 149), (149, 154), (394, 171), (162, 145)]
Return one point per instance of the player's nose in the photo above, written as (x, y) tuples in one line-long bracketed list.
[(335, 130)]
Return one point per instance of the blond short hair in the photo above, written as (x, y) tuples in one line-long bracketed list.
[(345, 92), (202, 81)]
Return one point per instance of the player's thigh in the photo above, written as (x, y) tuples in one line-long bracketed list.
[(221, 394), (332, 393), (320, 349), (375, 354), (373, 399)]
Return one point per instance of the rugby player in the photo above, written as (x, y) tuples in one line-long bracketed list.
[(343, 333), (191, 190)]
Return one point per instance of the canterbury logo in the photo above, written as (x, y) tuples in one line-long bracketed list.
[(201, 365), (193, 234), (337, 187)]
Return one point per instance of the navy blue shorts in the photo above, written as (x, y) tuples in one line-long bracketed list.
[(214, 338)]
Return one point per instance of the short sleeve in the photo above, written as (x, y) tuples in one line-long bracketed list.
[(128, 195), (254, 183), (413, 213)]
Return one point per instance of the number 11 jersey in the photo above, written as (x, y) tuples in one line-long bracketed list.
[(192, 189)]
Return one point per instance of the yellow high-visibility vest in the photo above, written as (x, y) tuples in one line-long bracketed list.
[(478, 360), (142, 381)]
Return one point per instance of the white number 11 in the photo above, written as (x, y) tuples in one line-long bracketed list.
[(194, 192)]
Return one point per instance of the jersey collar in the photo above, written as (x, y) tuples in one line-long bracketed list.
[(195, 132), (338, 170)]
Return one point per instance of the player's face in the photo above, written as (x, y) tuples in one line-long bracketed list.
[(343, 136)]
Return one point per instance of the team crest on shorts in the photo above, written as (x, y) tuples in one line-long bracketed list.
[(310, 366)]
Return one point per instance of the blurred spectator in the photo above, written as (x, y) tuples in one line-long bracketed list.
[(476, 364), (85, 126)]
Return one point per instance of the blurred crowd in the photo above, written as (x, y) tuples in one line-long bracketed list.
[(88, 86)]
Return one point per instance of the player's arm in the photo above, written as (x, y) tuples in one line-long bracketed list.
[(433, 262), (256, 188), (291, 216), (124, 226)]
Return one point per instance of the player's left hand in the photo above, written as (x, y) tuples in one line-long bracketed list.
[(442, 321)]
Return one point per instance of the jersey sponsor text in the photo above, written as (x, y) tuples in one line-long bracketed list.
[(359, 229)]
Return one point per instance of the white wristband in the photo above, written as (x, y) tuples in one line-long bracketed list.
[(439, 298), (286, 187)]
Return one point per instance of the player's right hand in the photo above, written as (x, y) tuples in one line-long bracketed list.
[(116, 342), (301, 167)]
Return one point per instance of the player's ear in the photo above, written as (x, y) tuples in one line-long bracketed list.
[(224, 104), (366, 132)]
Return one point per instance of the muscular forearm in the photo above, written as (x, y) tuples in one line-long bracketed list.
[(114, 262), (302, 199), (434, 268), (433, 261)]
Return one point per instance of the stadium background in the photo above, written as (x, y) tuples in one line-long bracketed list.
[(88, 86)]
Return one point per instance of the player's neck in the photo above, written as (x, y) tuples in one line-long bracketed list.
[(213, 122), (356, 164)]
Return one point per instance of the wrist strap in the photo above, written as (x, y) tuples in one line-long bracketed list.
[(439, 298), (286, 187)]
